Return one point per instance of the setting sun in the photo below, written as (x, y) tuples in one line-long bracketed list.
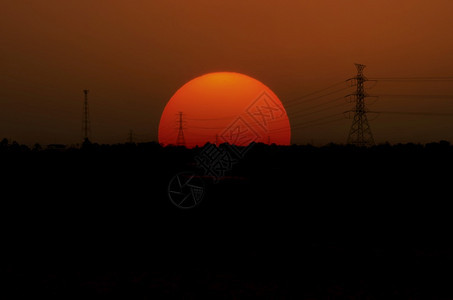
[(224, 107)]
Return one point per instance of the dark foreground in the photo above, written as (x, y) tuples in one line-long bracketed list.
[(286, 223)]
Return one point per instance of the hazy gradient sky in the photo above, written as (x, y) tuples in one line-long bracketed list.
[(133, 55)]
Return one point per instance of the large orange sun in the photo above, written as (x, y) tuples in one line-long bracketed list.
[(224, 107)]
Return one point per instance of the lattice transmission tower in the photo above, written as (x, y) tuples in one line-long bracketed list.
[(360, 132), (180, 140), (130, 139), (86, 119)]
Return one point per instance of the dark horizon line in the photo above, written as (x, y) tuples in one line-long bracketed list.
[(56, 146)]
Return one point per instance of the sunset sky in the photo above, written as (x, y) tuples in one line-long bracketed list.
[(134, 55)]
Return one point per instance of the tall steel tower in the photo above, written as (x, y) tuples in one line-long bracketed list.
[(360, 133), (131, 137), (86, 119), (180, 140)]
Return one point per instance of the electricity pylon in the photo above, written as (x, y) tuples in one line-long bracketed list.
[(360, 133), (86, 118), (180, 140)]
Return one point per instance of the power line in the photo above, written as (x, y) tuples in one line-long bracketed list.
[(414, 113), (309, 124), (212, 119), (294, 113), (298, 115), (413, 79), (295, 125), (416, 96), (292, 104), (207, 128), (306, 111), (322, 123), (315, 92)]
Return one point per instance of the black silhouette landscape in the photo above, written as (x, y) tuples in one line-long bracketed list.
[(337, 222), (226, 149)]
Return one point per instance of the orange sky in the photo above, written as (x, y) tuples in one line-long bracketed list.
[(133, 55)]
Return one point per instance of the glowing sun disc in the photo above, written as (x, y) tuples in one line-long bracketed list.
[(224, 107)]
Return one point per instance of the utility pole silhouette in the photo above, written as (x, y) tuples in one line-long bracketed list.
[(360, 132), (86, 119), (180, 140), (131, 136)]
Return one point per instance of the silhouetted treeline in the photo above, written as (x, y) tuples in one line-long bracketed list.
[(15, 147)]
